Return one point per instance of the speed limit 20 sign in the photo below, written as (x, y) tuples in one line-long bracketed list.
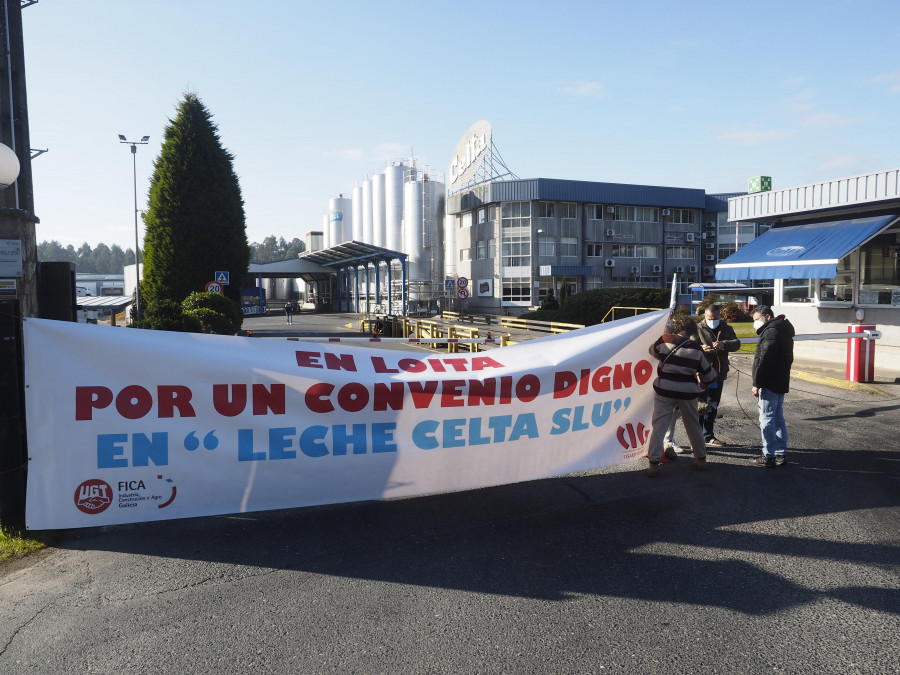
[(214, 287)]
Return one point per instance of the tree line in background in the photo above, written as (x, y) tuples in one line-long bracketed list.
[(112, 259)]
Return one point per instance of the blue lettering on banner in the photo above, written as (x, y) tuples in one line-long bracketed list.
[(111, 450), (318, 441), (457, 433)]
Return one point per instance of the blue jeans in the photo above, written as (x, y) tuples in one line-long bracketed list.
[(772, 424)]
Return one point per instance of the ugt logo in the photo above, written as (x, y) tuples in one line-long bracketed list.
[(632, 437), (93, 496)]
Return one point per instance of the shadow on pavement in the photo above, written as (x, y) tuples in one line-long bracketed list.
[(732, 537)]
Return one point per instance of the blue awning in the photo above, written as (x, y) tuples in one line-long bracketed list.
[(809, 251)]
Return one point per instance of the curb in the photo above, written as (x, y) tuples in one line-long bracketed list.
[(860, 387)]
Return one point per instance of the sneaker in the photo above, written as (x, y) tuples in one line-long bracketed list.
[(780, 460), (715, 443), (670, 453), (653, 469), (767, 462), (677, 449), (700, 463)]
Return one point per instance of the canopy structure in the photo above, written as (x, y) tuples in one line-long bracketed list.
[(807, 251), (114, 303)]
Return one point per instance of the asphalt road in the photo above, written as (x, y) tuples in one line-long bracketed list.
[(736, 570)]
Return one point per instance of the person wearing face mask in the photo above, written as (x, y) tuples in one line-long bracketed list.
[(682, 372), (718, 339), (771, 376)]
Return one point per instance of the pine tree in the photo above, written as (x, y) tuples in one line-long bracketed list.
[(195, 222)]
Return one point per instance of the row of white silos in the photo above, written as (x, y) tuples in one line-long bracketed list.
[(399, 209)]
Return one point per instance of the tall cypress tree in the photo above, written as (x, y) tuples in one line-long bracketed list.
[(195, 222)]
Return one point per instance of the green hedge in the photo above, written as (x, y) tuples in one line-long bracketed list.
[(590, 307)]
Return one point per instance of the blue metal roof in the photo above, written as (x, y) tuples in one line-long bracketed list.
[(808, 251), (552, 189)]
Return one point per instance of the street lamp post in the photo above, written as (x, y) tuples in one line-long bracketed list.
[(137, 259)]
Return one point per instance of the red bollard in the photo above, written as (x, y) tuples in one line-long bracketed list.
[(860, 355)]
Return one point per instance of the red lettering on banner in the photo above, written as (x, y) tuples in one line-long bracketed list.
[(308, 359), (380, 367), (620, 376), (88, 398), (264, 400), (528, 388), (422, 392), (482, 362), (388, 395), (175, 396), (340, 362), (451, 393), (317, 397)]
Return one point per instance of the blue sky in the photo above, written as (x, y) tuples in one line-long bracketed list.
[(312, 96)]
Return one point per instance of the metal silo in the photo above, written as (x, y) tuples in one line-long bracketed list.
[(326, 239), (412, 244), (340, 217), (423, 225), (378, 235), (356, 220), (393, 206), (367, 211), (451, 227)]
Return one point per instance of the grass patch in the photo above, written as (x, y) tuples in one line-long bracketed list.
[(745, 329), (15, 544)]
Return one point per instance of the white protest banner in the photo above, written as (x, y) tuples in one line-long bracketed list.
[(136, 425)]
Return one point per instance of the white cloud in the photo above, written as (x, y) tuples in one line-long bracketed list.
[(843, 163), (375, 155), (585, 89), (890, 80), (806, 112), (752, 134)]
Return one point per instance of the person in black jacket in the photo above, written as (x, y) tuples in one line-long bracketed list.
[(718, 340), (771, 377)]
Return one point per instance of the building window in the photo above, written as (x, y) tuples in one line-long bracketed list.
[(466, 220), (515, 214), (683, 216), (492, 213), (546, 246), (546, 210), (517, 289), (568, 247), (639, 214), (635, 250), (879, 270), (480, 250), (568, 210), (465, 254), (681, 252), (482, 215), (516, 251), (594, 211), (492, 248), (725, 250), (594, 249), (590, 283)]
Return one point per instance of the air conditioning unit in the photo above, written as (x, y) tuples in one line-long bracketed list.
[(610, 209), (610, 232), (709, 244), (692, 268), (666, 212), (708, 271), (610, 263), (710, 223), (703, 235), (635, 269), (709, 258), (689, 236), (711, 235), (679, 269), (657, 269)]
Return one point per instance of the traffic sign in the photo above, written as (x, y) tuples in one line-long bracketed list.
[(450, 284), (222, 278), (462, 282), (462, 294), (214, 287)]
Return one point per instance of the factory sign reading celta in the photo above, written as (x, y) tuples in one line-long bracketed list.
[(468, 153), (337, 215)]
